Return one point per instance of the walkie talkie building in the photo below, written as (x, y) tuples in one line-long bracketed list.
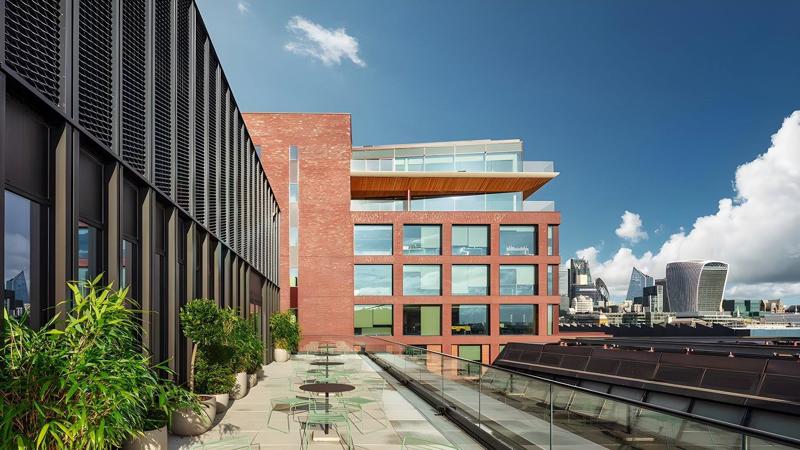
[(124, 153)]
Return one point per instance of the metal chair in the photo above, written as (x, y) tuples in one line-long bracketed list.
[(326, 414)]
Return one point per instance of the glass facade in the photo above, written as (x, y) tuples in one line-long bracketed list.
[(372, 279), (470, 240), (422, 279), (505, 201), (551, 231), (294, 214), (517, 319), (373, 320), (518, 240), (552, 315), (445, 157), (470, 280), (469, 320), (518, 279), (372, 239), (422, 240), (422, 320)]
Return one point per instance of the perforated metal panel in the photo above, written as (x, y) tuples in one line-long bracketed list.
[(133, 84), (162, 100), (182, 155), (199, 178), (213, 139), (95, 68), (33, 44)]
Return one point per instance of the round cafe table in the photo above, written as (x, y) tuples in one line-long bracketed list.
[(327, 389), (327, 364)]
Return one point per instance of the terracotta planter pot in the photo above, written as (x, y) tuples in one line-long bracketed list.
[(223, 401), (252, 380), (151, 440), (281, 355), (240, 389), (186, 422)]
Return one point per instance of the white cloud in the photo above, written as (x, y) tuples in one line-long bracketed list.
[(326, 45), (756, 232), (243, 6), (631, 228)]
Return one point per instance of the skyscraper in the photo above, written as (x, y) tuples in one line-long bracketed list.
[(639, 281), (696, 285)]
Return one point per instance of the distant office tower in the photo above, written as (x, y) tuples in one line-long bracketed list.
[(579, 275), (694, 286), (582, 304), (653, 298), (602, 289), (17, 298), (664, 298), (639, 281), (563, 287)]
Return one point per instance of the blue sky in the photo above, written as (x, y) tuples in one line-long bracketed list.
[(647, 107)]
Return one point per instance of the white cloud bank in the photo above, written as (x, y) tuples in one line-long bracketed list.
[(326, 45), (757, 232), (243, 6), (631, 228)]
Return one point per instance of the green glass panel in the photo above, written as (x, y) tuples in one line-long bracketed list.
[(363, 318), (431, 320), (382, 315), (471, 352)]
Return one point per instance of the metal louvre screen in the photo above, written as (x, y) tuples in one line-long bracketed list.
[(33, 44), (183, 157), (231, 181), (213, 139), (133, 84), (222, 191), (199, 125), (162, 99), (95, 69), (239, 210)]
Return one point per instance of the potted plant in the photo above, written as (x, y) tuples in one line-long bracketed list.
[(255, 354), (167, 399), (238, 342), (84, 384), (204, 324), (285, 334), (212, 379)]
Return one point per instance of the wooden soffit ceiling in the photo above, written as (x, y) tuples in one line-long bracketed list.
[(365, 185)]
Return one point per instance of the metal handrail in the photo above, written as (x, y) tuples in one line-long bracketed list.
[(648, 406)]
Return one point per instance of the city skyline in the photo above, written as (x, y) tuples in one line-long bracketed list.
[(625, 134)]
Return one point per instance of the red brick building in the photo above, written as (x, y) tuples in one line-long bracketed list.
[(435, 244)]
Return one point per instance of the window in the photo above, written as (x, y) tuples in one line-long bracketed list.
[(422, 280), (551, 271), (373, 320), (88, 252), (517, 280), (470, 240), (422, 320), (470, 320), (551, 318), (422, 240), (470, 352), (372, 239), (470, 280), (129, 247), (23, 257), (517, 319), (517, 240), (551, 231), (372, 279)]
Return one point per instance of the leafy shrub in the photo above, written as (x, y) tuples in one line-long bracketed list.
[(204, 323), (86, 386), (211, 378), (285, 330)]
